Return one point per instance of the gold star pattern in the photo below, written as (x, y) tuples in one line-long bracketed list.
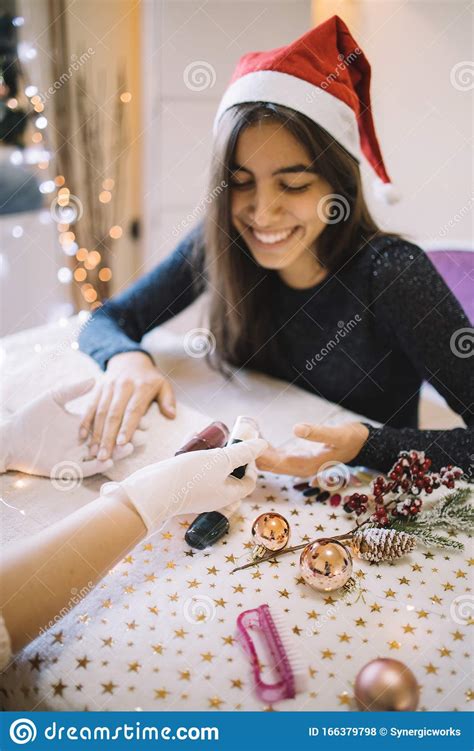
[(161, 580)]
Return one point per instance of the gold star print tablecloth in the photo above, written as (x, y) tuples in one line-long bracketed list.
[(159, 632)]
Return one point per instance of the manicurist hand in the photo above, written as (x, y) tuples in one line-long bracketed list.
[(41, 438), (337, 444), (189, 483), (121, 398)]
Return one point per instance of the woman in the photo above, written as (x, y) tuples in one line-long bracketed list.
[(38, 574), (303, 284)]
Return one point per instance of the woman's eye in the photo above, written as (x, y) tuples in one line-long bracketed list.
[(240, 186), (295, 189)]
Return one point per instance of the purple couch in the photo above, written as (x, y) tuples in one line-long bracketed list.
[(457, 269)]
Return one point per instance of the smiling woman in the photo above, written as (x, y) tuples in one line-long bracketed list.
[(289, 254)]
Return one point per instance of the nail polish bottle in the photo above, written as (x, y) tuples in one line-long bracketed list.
[(214, 436), (210, 526)]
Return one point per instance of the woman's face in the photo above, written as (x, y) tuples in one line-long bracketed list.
[(274, 200)]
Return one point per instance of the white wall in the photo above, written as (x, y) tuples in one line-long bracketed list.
[(424, 123)]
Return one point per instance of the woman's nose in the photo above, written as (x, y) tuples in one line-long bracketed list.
[(265, 206)]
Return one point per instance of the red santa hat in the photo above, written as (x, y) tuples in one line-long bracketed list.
[(324, 75)]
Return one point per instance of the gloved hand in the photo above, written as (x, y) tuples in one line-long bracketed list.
[(41, 438), (195, 482)]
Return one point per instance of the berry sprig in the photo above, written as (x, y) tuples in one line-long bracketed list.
[(397, 495)]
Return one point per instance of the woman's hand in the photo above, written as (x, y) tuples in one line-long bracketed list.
[(41, 437), (340, 444), (189, 483), (130, 384)]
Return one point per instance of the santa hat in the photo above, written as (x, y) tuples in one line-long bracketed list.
[(324, 75)]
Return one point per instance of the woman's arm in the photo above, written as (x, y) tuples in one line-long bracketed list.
[(425, 320), (39, 575), (112, 337), (120, 324)]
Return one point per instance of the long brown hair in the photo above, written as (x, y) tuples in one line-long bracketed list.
[(240, 290)]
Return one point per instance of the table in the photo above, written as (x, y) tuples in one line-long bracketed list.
[(158, 633)]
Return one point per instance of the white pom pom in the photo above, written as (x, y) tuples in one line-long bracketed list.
[(386, 192)]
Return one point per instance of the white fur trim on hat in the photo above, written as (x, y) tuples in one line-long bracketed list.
[(331, 113)]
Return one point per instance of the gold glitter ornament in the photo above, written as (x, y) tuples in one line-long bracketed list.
[(326, 565), (386, 685), (270, 531)]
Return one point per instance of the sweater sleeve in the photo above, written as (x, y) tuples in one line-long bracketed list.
[(120, 324), (417, 309)]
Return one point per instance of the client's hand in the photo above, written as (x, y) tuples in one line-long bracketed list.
[(41, 438), (121, 398), (194, 482), (339, 444)]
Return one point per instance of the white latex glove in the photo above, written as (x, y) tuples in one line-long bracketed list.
[(194, 482), (41, 438)]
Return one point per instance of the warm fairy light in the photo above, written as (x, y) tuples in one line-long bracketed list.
[(90, 295), (36, 137), (38, 107), (115, 232), (85, 287), (41, 122), (92, 260), (64, 275), (82, 254), (108, 183), (105, 196), (126, 97), (96, 305), (62, 227), (66, 238), (31, 91), (43, 165), (64, 192), (59, 180), (105, 275), (80, 275), (36, 99), (12, 103)]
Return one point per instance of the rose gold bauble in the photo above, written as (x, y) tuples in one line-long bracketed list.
[(326, 565), (271, 530), (386, 685)]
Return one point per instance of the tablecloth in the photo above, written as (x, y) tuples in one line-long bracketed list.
[(159, 631)]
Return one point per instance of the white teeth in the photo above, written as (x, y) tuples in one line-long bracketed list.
[(272, 237)]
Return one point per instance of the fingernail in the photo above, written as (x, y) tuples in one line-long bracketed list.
[(303, 429), (102, 455), (94, 449), (121, 439), (171, 410), (83, 433)]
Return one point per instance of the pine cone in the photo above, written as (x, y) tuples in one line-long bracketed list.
[(374, 544)]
